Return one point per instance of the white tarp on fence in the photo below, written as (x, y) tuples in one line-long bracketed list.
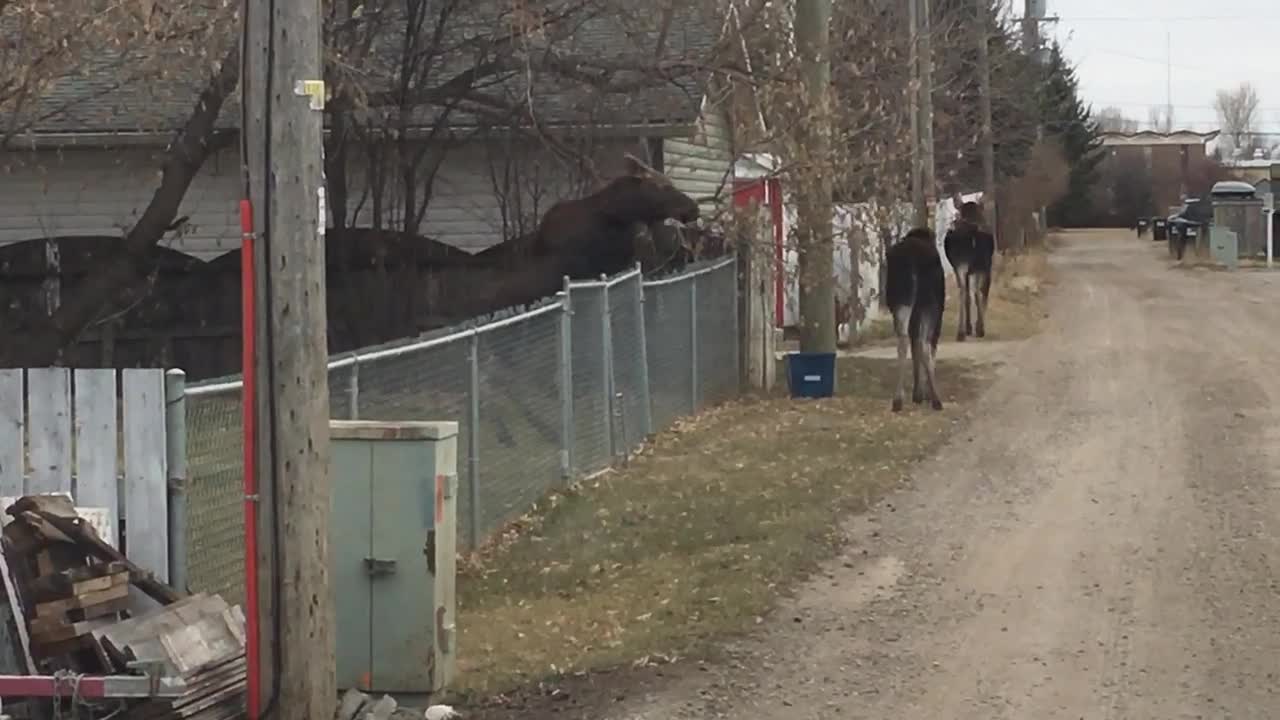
[(858, 222)]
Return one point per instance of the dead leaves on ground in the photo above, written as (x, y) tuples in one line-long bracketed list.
[(695, 538)]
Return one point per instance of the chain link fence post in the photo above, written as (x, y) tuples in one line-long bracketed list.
[(695, 391), (175, 426), (473, 440), (607, 358), (565, 362), (353, 388), (642, 345)]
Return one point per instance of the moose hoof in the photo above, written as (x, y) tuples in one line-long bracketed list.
[(960, 336), (917, 399), (897, 404), (937, 404), (981, 333)]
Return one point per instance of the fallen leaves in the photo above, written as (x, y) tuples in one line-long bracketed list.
[(695, 538)]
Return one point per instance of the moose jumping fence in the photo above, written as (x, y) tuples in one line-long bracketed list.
[(563, 389)]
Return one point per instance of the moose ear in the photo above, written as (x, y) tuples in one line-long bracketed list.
[(639, 169)]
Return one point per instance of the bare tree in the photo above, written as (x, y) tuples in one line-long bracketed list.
[(1238, 111), (148, 49), (160, 56), (409, 80), (1113, 119), (416, 79), (1160, 119), (871, 86)]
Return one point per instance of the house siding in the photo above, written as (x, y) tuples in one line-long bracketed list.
[(486, 192), (701, 164), (103, 192), (483, 192)]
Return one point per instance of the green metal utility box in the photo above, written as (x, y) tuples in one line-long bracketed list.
[(393, 544)]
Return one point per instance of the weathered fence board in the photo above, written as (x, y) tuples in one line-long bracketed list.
[(97, 475), (145, 470), (13, 461), (49, 423), (61, 432)]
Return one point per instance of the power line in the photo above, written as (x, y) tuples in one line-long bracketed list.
[(1160, 61), (1163, 62), (1164, 19), (1177, 106)]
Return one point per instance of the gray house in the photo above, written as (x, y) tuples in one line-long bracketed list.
[(91, 166)]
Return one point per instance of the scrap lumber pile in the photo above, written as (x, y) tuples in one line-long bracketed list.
[(198, 639), (76, 595)]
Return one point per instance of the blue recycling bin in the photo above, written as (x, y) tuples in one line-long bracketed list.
[(811, 374)]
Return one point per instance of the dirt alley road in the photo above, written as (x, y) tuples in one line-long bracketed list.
[(1099, 542)]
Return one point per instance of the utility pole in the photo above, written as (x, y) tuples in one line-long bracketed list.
[(917, 186), (984, 107), (928, 170), (1168, 80), (1034, 14), (817, 284), (283, 96)]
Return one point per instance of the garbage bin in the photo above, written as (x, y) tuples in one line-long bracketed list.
[(1159, 229), (811, 375)]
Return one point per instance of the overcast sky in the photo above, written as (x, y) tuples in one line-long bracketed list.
[(1119, 49)]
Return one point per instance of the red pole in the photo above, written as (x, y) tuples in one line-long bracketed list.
[(248, 329)]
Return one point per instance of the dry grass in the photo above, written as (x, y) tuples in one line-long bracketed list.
[(695, 539), (1015, 310), (1203, 261)]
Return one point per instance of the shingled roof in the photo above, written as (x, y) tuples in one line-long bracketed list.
[(663, 69)]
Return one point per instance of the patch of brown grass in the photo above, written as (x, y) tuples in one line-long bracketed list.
[(697, 537)]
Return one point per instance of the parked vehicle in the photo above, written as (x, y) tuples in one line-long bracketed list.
[(1236, 189)]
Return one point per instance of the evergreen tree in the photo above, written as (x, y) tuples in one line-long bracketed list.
[(1070, 120)]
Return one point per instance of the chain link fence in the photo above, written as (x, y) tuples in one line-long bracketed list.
[(563, 389)]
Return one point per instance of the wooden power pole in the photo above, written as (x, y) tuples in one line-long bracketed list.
[(984, 107), (816, 246), (913, 45), (284, 96), (1032, 17), (928, 177)]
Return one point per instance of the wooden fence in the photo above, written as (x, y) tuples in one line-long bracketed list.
[(101, 436)]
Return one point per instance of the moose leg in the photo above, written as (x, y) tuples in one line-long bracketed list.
[(970, 300), (980, 302), (962, 307), (928, 350), (917, 389), (901, 323)]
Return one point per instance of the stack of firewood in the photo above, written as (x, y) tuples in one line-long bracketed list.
[(73, 591), (70, 604), (69, 582)]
